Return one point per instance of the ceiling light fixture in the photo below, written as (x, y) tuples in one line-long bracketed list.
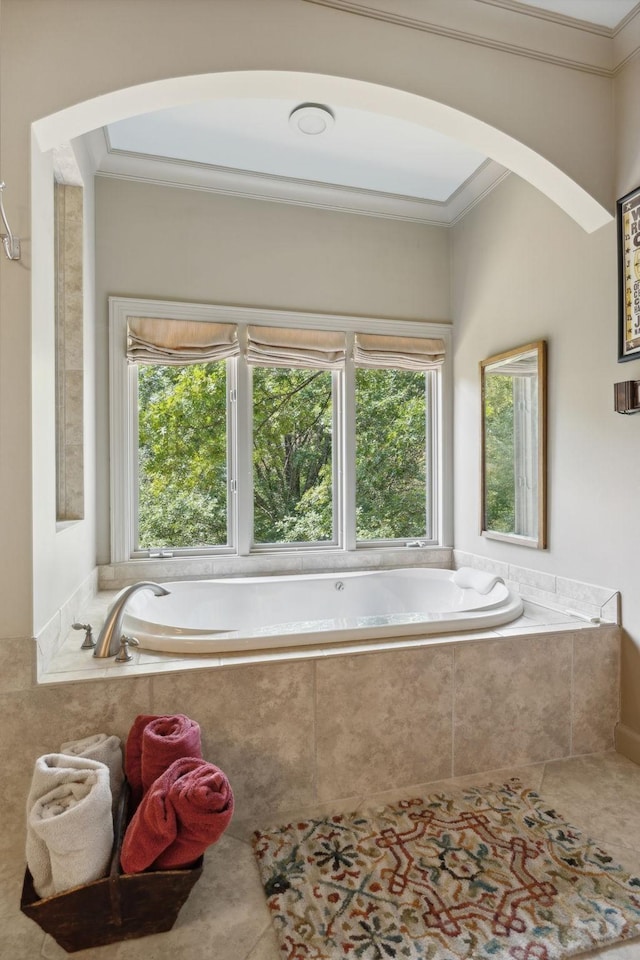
[(311, 119)]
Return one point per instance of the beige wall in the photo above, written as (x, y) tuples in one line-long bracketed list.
[(190, 244), (540, 277), (628, 453), (627, 131)]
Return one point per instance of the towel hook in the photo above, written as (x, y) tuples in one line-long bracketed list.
[(10, 243)]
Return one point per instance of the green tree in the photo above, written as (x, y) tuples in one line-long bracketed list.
[(390, 454), (500, 493), (292, 455), (183, 453)]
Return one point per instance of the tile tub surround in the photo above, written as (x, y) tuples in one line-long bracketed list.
[(548, 590), (302, 726)]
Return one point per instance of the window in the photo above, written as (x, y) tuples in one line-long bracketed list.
[(254, 431), (392, 470), (182, 456), (293, 456)]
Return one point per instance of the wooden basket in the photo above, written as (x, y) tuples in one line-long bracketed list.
[(117, 907)]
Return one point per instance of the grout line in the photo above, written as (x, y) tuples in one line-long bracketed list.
[(314, 694), (453, 711), (544, 773), (260, 937), (572, 694)]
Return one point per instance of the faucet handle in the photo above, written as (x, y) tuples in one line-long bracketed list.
[(88, 642), (123, 655)]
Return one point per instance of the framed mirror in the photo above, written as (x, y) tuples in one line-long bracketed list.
[(514, 469)]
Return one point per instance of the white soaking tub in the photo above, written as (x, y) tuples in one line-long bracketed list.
[(254, 613)]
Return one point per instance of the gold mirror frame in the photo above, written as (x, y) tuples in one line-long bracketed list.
[(514, 462)]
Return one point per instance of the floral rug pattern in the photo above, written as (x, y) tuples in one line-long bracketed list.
[(485, 873)]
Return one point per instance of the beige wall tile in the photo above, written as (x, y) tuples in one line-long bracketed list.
[(69, 352), (383, 721), (21, 937), (596, 688), (512, 702), (73, 202), (257, 726), (18, 664), (599, 794), (267, 948), (38, 720)]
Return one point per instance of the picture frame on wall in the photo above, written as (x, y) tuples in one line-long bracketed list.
[(628, 221)]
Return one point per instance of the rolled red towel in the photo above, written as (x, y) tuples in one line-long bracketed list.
[(153, 743), (184, 811)]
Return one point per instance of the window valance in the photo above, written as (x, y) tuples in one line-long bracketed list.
[(176, 342), (397, 353), (287, 347)]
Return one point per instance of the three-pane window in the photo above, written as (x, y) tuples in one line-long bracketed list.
[(249, 438)]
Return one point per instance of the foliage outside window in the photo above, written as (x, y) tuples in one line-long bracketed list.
[(499, 458), (292, 455), (182, 455), (392, 494)]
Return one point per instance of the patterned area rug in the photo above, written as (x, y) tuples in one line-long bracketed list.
[(486, 873)]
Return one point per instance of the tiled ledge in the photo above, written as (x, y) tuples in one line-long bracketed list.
[(55, 632), (70, 664), (551, 603), (573, 597), (118, 575)]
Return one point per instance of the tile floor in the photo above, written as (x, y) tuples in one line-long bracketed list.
[(226, 916)]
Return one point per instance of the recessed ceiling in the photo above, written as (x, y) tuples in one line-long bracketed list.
[(606, 13), (359, 149)]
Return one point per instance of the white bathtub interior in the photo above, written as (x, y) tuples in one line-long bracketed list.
[(257, 613)]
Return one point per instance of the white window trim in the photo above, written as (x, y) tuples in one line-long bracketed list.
[(123, 416)]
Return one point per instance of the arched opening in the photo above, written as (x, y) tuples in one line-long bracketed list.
[(73, 122), (79, 119)]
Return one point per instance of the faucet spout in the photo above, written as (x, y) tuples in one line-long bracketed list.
[(109, 637)]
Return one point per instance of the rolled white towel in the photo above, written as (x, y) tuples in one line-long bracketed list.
[(107, 749), (469, 579), (69, 822)]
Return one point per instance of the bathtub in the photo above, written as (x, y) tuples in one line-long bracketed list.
[(254, 613)]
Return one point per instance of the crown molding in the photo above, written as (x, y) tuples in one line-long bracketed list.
[(626, 42), (250, 185), (560, 40)]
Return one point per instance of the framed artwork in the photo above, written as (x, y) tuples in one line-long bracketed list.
[(628, 210)]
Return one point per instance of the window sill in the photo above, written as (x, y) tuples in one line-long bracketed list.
[(118, 575)]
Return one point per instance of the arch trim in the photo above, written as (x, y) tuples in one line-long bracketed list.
[(71, 122)]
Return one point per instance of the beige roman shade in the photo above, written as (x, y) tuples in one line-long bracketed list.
[(285, 347), (397, 353), (177, 342)]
